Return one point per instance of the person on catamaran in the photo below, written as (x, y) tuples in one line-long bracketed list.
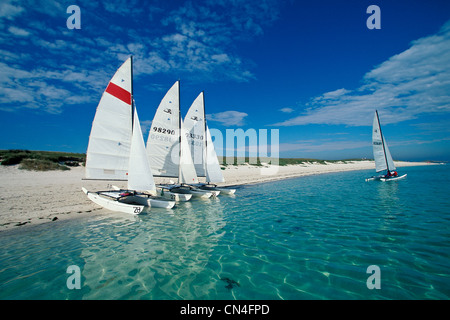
[(391, 174)]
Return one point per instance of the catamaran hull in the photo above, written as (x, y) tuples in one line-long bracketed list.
[(156, 203), (384, 179), (175, 196), (217, 189), (226, 190), (151, 202), (393, 178), (374, 178), (115, 205), (196, 193), (147, 200), (214, 192)]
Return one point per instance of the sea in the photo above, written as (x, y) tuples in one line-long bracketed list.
[(323, 237)]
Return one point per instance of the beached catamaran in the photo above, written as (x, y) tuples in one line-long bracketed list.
[(381, 154), (116, 150), (202, 148), (168, 151), (139, 174)]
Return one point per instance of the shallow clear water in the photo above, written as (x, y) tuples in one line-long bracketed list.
[(306, 238)]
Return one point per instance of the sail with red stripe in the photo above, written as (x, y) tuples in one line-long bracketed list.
[(108, 151), (119, 93)]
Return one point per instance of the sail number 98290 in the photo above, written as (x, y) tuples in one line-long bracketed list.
[(163, 130)]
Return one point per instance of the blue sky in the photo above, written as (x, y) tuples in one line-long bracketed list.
[(311, 69)]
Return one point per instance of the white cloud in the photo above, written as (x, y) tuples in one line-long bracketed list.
[(18, 32), (45, 89), (189, 39), (124, 7), (414, 82), (145, 126), (287, 110), (332, 96), (322, 145), (221, 58), (228, 118), (206, 31), (8, 10)]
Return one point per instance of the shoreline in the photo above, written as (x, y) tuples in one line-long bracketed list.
[(246, 175), (30, 198)]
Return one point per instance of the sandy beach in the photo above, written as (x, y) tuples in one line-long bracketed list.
[(31, 197)]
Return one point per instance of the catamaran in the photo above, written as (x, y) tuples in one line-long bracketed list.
[(202, 149), (168, 152), (139, 174), (381, 154), (116, 150)]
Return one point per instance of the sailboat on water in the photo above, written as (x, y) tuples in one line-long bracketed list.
[(168, 151), (116, 150), (381, 154), (202, 148)]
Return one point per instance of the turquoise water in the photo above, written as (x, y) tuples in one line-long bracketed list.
[(306, 238)]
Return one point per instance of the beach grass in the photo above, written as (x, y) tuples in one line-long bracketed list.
[(41, 160), (41, 165)]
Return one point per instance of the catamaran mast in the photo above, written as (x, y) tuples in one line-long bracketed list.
[(205, 137), (132, 96), (382, 141), (179, 130)]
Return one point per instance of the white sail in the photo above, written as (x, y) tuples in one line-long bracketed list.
[(381, 154), (187, 169), (164, 140), (139, 175), (164, 136), (194, 123), (202, 148), (109, 142), (213, 170)]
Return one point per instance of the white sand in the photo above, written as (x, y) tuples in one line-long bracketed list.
[(30, 197)]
